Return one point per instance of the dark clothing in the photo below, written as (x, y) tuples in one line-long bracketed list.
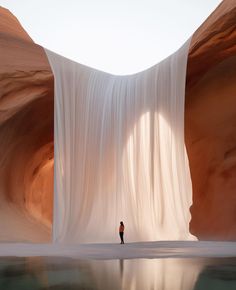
[(121, 228), (122, 237)]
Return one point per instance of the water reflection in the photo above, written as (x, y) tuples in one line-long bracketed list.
[(215, 277), (164, 274)]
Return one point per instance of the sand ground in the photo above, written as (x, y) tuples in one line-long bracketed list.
[(160, 249)]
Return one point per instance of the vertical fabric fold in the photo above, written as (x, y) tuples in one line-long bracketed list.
[(120, 152)]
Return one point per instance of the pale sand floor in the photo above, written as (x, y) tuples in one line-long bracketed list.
[(160, 249)]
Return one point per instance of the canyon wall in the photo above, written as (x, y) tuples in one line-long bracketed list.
[(210, 125), (26, 123)]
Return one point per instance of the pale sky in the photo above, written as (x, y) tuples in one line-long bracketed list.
[(116, 36)]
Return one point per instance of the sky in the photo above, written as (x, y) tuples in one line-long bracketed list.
[(116, 36)]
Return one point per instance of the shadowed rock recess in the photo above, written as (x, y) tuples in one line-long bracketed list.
[(26, 130), (210, 125), (26, 134)]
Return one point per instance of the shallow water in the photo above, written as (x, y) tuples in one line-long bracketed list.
[(149, 274)]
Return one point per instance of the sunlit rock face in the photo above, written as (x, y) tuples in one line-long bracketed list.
[(26, 124), (210, 125)]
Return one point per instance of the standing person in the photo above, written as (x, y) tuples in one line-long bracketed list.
[(121, 232)]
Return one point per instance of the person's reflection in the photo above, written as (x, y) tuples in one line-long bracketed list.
[(217, 277), (121, 268)]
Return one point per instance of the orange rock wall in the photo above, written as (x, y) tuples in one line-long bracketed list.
[(26, 123), (211, 144), (210, 125)]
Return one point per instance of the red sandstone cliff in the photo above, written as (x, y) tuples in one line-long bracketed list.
[(26, 123), (210, 125)]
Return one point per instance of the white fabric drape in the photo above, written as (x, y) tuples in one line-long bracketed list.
[(120, 153)]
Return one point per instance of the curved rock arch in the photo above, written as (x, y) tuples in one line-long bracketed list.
[(26, 120)]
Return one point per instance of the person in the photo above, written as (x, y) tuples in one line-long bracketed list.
[(121, 232)]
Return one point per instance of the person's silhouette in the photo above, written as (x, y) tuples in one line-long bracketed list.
[(121, 232)]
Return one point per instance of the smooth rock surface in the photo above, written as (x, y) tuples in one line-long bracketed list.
[(210, 125), (26, 133), (26, 127)]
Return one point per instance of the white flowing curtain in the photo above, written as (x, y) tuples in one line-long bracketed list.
[(120, 153)]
